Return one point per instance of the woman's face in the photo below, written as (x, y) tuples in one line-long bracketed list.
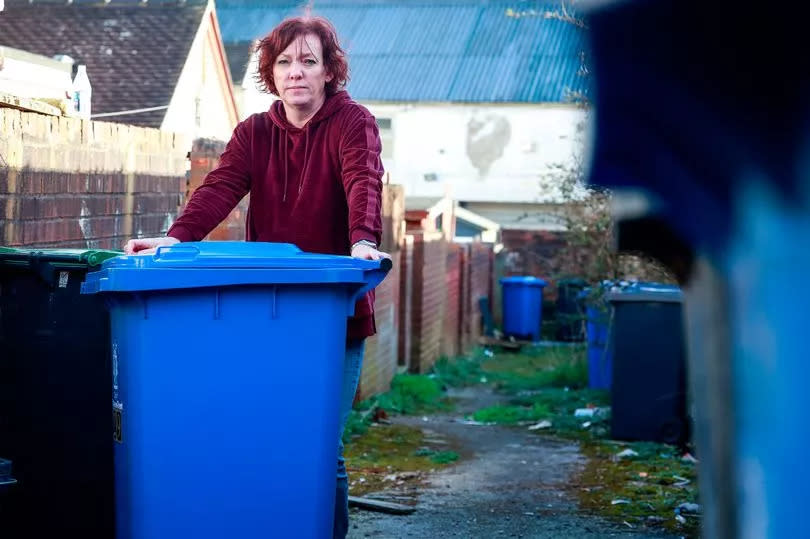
[(300, 75)]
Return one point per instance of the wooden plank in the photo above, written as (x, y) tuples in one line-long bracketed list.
[(380, 506), (28, 105)]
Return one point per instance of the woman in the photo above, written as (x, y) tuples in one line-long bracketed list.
[(312, 167)]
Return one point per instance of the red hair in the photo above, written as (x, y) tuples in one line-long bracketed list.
[(334, 57)]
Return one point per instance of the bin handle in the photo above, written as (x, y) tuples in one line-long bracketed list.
[(374, 276), (176, 252)]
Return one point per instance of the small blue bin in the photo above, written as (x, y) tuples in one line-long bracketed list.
[(600, 354), (227, 365), (522, 306)]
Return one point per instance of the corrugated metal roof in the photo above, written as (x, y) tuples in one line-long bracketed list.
[(467, 50)]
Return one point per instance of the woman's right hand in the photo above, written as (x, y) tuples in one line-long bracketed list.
[(147, 246)]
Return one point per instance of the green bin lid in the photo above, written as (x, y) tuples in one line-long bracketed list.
[(87, 257)]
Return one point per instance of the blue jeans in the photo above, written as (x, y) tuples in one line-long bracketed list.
[(352, 365)]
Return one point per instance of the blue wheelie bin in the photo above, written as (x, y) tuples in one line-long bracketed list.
[(522, 306), (227, 360), (600, 355), (597, 331)]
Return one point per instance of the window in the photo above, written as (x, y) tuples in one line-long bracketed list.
[(386, 137)]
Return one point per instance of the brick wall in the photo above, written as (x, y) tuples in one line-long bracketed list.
[(466, 339), (382, 350), (406, 295), (480, 284), (380, 360), (533, 252), (71, 183), (451, 331), (204, 158), (428, 300), (393, 217)]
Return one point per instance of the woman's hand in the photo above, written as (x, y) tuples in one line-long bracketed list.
[(367, 252), (148, 246)]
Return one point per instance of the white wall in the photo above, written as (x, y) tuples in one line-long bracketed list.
[(486, 152), (33, 76), (198, 107)]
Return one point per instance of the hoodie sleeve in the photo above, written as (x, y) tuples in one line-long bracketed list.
[(362, 168), (220, 192)]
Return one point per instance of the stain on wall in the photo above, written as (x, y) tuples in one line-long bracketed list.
[(487, 138)]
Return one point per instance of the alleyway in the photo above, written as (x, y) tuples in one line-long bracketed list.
[(509, 483)]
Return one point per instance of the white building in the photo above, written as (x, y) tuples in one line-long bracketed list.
[(159, 65)]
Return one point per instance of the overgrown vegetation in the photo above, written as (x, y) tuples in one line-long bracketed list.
[(413, 394)]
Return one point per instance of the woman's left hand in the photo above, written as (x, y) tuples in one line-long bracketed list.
[(366, 252)]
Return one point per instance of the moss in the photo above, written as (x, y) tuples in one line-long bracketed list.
[(652, 483), (375, 459)]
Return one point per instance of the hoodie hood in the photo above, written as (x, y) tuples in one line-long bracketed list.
[(278, 116), (332, 105)]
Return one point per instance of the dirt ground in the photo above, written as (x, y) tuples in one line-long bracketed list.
[(508, 483)]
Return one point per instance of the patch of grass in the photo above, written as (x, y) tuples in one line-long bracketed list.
[(444, 457), (558, 407), (412, 394), (439, 457), (509, 415), (409, 394), (653, 483), (458, 372), (565, 401), (552, 366)]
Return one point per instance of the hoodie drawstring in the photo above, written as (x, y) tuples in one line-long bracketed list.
[(286, 151), (306, 162)]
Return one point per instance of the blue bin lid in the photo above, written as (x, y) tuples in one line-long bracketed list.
[(525, 280), (644, 291), (224, 263), (5, 474)]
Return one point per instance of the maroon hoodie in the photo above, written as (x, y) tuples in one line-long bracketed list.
[(318, 187)]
